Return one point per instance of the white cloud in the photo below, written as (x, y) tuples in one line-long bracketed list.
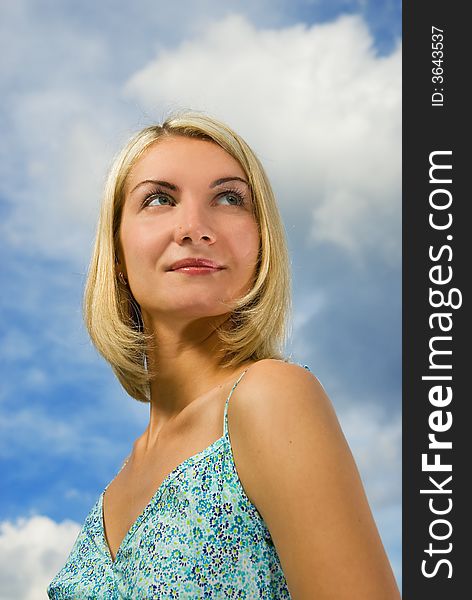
[(53, 156), (32, 550), (318, 105)]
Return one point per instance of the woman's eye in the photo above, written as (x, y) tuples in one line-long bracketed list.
[(155, 200), (234, 198)]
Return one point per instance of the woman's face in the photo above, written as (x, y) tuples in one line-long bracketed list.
[(185, 199)]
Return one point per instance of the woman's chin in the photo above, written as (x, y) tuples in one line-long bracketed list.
[(182, 311)]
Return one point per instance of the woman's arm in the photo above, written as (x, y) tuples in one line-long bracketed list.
[(296, 467)]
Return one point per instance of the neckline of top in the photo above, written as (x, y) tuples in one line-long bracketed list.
[(180, 468)]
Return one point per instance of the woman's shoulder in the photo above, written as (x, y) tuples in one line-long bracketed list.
[(273, 381), (279, 365), (276, 406)]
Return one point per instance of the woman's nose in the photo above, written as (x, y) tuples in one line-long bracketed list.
[(193, 223)]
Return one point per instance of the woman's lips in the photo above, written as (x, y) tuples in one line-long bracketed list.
[(195, 265), (195, 262), (196, 270)]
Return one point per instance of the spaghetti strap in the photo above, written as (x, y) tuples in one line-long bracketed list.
[(225, 427)]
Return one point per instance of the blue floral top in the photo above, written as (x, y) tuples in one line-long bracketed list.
[(199, 537)]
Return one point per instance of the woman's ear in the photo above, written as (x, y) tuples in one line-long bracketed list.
[(119, 261), (120, 269), (120, 273)]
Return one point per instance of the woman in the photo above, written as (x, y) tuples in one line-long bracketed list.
[(187, 298)]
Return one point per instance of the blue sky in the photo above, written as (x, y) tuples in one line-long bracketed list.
[(315, 88)]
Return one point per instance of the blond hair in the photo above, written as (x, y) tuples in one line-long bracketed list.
[(256, 328)]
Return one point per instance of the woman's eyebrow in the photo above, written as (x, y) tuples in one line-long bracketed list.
[(226, 179), (175, 188)]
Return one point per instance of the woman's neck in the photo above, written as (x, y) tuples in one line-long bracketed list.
[(187, 364)]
